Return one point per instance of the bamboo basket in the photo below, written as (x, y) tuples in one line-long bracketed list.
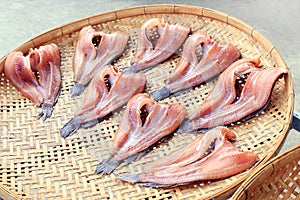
[(36, 163), (277, 179)]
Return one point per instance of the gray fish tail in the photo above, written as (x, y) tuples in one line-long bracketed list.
[(70, 128), (77, 89), (160, 93), (46, 111), (130, 178), (107, 166)]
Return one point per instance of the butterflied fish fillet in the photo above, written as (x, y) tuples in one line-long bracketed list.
[(108, 91), (192, 70), (224, 92), (254, 97), (191, 163), (44, 89), (144, 123), (94, 51), (151, 52)]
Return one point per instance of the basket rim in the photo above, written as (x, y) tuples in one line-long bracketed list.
[(71, 27), (262, 169), (76, 25), (7, 193)]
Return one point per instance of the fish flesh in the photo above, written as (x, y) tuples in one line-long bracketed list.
[(42, 89), (144, 123), (210, 156), (94, 51), (151, 52), (254, 97), (224, 92), (194, 69), (109, 90)]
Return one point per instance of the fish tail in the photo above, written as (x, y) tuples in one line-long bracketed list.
[(70, 128), (186, 126), (93, 122), (130, 178), (160, 93), (107, 166), (77, 89), (130, 159), (130, 70), (46, 111)]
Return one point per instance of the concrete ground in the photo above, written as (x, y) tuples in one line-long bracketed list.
[(277, 20)]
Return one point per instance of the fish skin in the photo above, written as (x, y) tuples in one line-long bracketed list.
[(191, 72), (185, 165), (99, 101), (254, 96), (42, 91), (148, 54), (89, 59), (133, 137)]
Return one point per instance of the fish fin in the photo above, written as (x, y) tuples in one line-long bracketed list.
[(77, 89), (180, 92), (46, 111), (130, 159), (90, 123), (107, 166), (130, 178), (185, 126), (257, 112), (156, 185), (93, 122), (160, 93), (70, 128), (135, 178), (129, 70)]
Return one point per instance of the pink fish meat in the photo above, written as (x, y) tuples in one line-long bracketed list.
[(144, 123), (196, 161), (42, 90), (109, 90), (191, 70), (149, 53), (254, 97), (94, 51)]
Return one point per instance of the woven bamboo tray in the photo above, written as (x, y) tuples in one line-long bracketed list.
[(277, 179), (36, 163)]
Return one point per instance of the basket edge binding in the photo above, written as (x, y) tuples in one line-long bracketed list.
[(268, 168), (159, 9)]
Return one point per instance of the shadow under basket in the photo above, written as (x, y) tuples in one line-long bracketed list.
[(36, 163), (277, 179)]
